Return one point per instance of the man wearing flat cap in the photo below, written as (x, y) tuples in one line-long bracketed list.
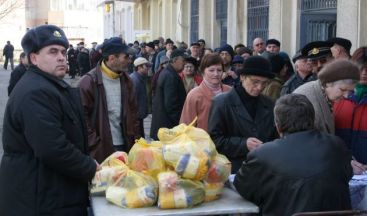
[(302, 75), (340, 47), (46, 168), (318, 54), (195, 51), (169, 94), (242, 119), (109, 102), (273, 46)]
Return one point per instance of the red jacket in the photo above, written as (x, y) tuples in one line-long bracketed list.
[(351, 125)]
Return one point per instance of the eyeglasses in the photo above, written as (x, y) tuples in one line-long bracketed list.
[(256, 82)]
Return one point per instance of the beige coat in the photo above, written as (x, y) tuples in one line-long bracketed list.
[(324, 119), (198, 103)]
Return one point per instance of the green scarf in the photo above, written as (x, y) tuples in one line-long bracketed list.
[(360, 91)]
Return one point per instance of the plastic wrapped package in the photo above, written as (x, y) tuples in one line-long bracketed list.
[(111, 169), (213, 191), (219, 170), (167, 135), (202, 139), (175, 192), (187, 160), (147, 158), (133, 190)]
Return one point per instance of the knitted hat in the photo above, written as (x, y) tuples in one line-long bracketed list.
[(42, 36), (277, 63), (228, 48), (258, 66), (273, 41), (339, 69)]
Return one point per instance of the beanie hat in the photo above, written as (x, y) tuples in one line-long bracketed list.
[(339, 69), (42, 36), (258, 66), (228, 48), (277, 63), (273, 41), (115, 45)]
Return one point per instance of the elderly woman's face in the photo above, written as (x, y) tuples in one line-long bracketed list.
[(254, 85), (337, 91), (189, 69)]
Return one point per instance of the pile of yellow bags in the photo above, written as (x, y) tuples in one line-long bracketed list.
[(183, 165)]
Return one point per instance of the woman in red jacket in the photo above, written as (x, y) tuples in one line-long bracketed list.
[(351, 116)]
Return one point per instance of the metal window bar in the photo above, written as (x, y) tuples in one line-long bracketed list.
[(311, 5), (221, 17), (194, 22), (258, 20)]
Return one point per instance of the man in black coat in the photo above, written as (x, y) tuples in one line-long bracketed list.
[(73, 64), (170, 95), (18, 72), (45, 169), (8, 52), (304, 171)]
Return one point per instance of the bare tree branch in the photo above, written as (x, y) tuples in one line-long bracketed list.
[(8, 6)]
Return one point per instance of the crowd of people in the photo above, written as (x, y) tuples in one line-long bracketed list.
[(294, 129)]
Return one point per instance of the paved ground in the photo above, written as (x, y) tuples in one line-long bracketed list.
[(4, 81)]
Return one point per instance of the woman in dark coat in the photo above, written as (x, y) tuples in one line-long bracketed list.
[(242, 119)]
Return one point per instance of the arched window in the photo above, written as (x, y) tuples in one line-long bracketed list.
[(257, 20)]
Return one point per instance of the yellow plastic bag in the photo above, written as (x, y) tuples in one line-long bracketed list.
[(147, 158), (219, 170), (175, 192), (133, 190), (202, 139), (187, 160), (213, 191), (113, 168)]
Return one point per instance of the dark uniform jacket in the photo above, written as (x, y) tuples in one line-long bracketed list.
[(15, 76), (168, 101), (45, 169), (303, 172), (230, 125), (99, 133)]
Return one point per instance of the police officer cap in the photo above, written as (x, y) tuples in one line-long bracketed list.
[(341, 42), (317, 49), (114, 45), (37, 38)]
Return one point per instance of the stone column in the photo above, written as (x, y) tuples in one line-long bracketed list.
[(352, 22)]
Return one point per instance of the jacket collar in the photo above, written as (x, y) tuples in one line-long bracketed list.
[(262, 111), (49, 77)]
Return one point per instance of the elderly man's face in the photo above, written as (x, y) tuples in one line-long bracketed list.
[(51, 59), (258, 45)]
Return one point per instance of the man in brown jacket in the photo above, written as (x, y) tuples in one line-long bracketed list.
[(109, 102)]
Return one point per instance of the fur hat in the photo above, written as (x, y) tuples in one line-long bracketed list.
[(42, 36), (339, 69), (115, 45), (258, 66)]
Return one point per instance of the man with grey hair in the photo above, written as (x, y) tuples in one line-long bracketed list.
[(304, 170)]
